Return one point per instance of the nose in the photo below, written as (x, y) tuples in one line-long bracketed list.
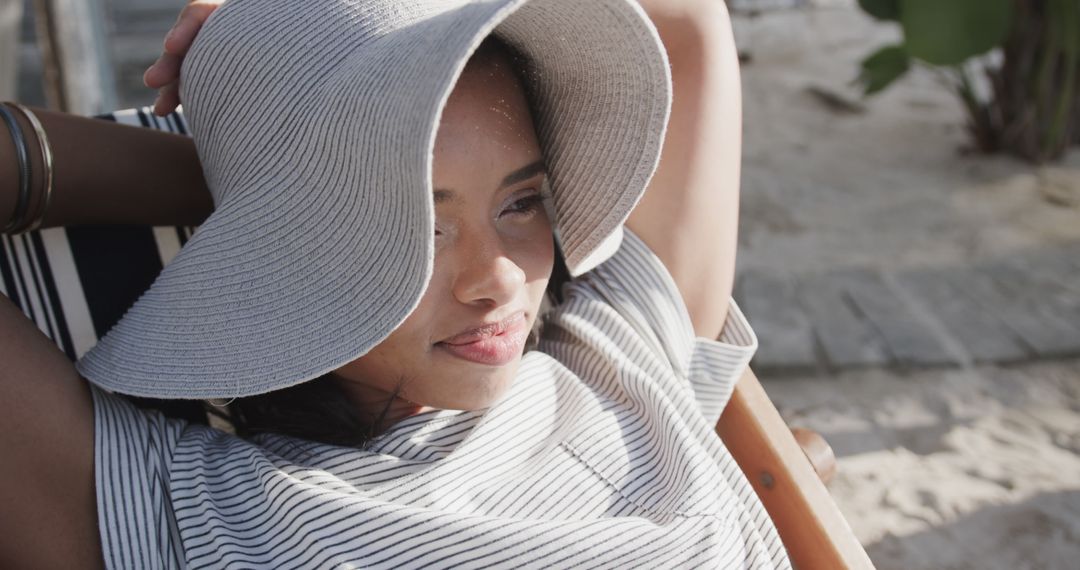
[(487, 276)]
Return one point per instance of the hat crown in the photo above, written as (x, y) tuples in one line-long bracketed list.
[(257, 67), (315, 122)]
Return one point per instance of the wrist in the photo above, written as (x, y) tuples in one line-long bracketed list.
[(30, 168), (22, 176), (9, 177)]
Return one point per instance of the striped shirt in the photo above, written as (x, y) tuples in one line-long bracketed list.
[(601, 454)]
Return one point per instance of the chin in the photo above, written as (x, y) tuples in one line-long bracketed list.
[(477, 391)]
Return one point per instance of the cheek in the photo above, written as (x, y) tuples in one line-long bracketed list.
[(392, 358), (534, 250), (536, 257)]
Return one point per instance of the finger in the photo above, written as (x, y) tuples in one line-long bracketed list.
[(191, 19), (168, 99), (164, 71)]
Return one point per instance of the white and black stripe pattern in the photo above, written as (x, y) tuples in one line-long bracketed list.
[(601, 455), (75, 283)]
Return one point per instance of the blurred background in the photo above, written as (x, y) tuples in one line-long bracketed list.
[(909, 245), (910, 261)]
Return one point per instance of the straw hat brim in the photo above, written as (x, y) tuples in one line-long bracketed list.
[(315, 123)]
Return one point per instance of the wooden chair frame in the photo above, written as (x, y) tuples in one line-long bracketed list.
[(809, 523)]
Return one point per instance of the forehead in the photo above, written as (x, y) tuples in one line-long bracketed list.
[(488, 90), (486, 118)]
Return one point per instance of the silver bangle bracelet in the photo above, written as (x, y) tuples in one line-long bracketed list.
[(22, 201), (46, 159)]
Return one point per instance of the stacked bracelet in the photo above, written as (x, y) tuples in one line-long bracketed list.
[(18, 222), (46, 160), (22, 202)]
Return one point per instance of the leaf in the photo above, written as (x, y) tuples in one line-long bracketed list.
[(1063, 20), (947, 32), (882, 9), (882, 68)]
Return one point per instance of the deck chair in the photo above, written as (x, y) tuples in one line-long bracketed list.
[(76, 282)]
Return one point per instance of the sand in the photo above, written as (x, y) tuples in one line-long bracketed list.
[(939, 469), (952, 469), (893, 185)]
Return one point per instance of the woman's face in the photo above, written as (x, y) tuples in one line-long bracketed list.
[(460, 348)]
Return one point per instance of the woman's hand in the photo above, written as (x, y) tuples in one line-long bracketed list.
[(164, 74)]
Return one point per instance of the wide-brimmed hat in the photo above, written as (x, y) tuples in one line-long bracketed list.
[(315, 122)]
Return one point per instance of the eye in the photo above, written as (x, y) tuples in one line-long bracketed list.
[(526, 205)]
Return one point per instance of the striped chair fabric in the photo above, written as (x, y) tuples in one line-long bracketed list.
[(75, 283)]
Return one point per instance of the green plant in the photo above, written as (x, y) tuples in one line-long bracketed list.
[(1032, 108)]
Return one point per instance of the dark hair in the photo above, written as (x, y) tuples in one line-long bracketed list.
[(318, 410)]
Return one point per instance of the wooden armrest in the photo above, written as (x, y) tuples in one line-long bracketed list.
[(808, 521), (817, 451)]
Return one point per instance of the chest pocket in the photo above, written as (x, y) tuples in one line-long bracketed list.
[(650, 464)]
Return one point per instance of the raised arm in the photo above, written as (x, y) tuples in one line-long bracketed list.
[(49, 515), (107, 173), (103, 173), (689, 214)]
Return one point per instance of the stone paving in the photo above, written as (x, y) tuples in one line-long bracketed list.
[(995, 311)]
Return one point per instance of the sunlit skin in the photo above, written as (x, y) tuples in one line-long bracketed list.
[(493, 254)]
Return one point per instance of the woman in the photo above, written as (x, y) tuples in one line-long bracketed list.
[(595, 449)]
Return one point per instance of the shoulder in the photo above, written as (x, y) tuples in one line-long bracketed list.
[(624, 329), (629, 300)]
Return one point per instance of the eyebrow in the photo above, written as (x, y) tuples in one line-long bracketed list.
[(524, 173), (442, 195)]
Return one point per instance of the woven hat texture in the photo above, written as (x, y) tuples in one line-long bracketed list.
[(315, 122)]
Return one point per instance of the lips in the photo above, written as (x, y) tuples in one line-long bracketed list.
[(493, 344)]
